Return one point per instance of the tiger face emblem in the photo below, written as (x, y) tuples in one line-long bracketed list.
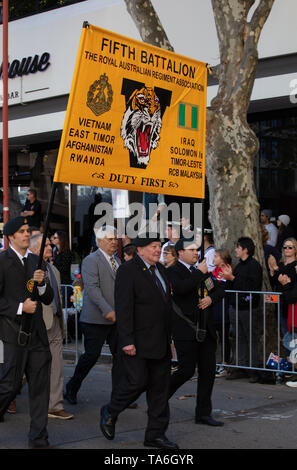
[(141, 126)]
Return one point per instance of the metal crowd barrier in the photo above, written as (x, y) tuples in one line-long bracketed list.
[(67, 311), (278, 364), (268, 298)]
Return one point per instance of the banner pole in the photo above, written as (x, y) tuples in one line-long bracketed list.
[(70, 216), (26, 324), (46, 224)]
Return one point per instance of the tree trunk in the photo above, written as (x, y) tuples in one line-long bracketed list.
[(231, 145)]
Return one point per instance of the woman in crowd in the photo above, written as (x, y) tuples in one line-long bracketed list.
[(170, 256), (284, 230), (286, 266), (129, 251), (62, 259), (222, 258)]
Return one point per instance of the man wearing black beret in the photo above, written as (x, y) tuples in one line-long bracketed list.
[(186, 282), (143, 311), (22, 330)]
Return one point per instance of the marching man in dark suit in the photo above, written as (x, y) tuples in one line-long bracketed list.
[(28, 352), (143, 310), (186, 281)]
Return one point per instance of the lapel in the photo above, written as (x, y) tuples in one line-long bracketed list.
[(182, 269), (32, 263), (17, 270), (162, 270), (58, 279), (15, 259), (147, 275), (103, 260)]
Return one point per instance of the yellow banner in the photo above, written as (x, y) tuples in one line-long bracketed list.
[(135, 119)]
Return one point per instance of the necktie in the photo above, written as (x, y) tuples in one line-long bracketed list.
[(192, 269), (25, 264), (54, 284), (113, 264), (158, 282)]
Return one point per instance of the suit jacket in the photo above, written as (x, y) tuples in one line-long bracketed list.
[(13, 291), (185, 285), (98, 278), (143, 316), (48, 310)]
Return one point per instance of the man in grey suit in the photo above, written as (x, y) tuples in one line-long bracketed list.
[(98, 316)]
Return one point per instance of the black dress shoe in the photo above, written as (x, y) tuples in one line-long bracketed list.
[(209, 421), (107, 423), (39, 444), (70, 397), (161, 443)]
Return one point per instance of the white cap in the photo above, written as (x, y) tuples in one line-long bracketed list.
[(285, 219)]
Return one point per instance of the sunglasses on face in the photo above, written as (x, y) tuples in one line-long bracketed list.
[(287, 247)]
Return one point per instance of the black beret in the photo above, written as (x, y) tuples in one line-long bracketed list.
[(144, 239), (13, 225), (183, 243)]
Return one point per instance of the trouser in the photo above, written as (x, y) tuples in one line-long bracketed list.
[(248, 334), (57, 375), (192, 354), (223, 332), (34, 362), (152, 376), (94, 338)]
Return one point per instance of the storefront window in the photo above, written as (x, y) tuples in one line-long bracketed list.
[(276, 162)]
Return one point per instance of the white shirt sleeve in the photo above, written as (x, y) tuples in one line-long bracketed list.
[(41, 291), (20, 309)]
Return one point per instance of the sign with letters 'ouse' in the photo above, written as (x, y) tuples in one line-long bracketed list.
[(135, 119)]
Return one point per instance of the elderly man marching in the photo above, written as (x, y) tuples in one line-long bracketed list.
[(53, 319), (143, 310)]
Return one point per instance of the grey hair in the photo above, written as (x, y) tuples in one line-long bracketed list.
[(102, 232), (34, 241)]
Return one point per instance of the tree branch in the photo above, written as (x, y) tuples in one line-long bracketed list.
[(148, 23), (259, 18)]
